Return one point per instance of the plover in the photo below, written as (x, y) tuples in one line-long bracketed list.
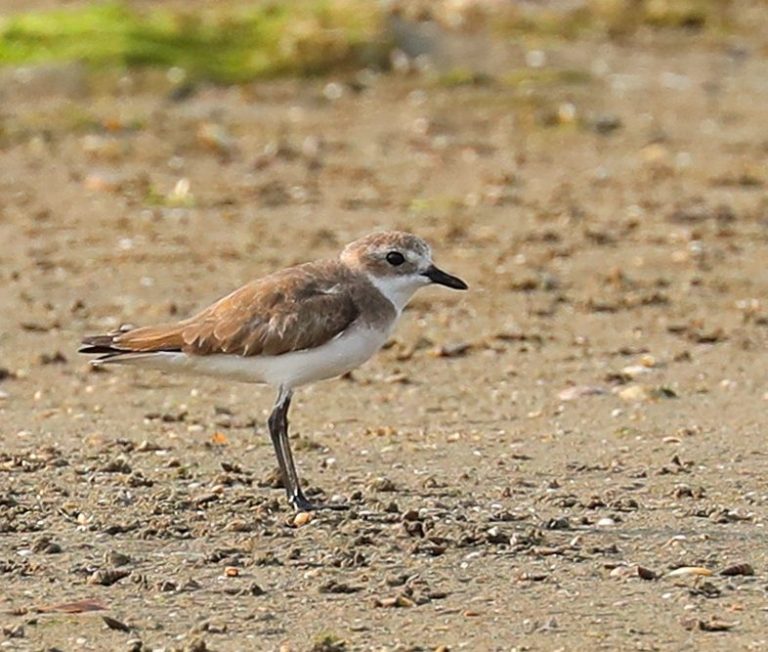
[(297, 326)]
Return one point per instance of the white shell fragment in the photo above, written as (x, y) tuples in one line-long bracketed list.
[(684, 571)]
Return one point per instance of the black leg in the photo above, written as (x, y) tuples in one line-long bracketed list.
[(277, 422), (278, 430)]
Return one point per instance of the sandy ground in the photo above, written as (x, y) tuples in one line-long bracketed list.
[(535, 465)]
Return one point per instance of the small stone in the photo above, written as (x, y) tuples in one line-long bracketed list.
[(621, 571), (190, 585), (496, 536), (148, 447), (645, 573), (606, 123), (453, 350), (204, 499), (238, 525), (684, 571), (46, 546), (114, 558), (255, 589), (17, 631), (115, 624), (332, 586), (382, 484), (411, 515), (737, 569), (398, 601), (635, 370), (647, 360), (107, 577), (654, 153), (118, 465), (333, 91), (180, 196), (196, 645), (580, 391), (711, 625), (559, 523), (302, 518), (634, 393), (273, 479)]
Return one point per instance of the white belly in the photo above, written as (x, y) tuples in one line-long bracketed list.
[(334, 358)]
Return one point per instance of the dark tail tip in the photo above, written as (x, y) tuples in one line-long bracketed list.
[(99, 345)]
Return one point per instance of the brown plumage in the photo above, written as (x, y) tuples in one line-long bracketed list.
[(297, 308)]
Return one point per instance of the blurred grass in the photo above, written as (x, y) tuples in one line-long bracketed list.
[(514, 77), (616, 18), (565, 19), (623, 16), (222, 43), (235, 41)]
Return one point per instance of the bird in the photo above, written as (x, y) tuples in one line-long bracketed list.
[(306, 323)]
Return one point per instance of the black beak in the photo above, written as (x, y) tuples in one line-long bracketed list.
[(439, 276)]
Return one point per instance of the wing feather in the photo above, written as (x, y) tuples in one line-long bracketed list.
[(296, 309)]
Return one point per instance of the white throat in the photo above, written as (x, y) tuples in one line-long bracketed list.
[(398, 289)]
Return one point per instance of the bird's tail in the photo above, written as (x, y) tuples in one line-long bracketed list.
[(123, 345)]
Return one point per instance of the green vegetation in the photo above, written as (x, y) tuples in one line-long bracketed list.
[(227, 44), (234, 40)]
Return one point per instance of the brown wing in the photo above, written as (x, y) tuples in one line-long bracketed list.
[(166, 337), (298, 308)]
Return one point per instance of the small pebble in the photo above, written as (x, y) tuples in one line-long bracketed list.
[(737, 569), (107, 577), (684, 571), (302, 518), (634, 393), (646, 573), (580, 391)]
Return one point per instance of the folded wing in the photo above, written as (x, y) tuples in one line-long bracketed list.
[(298, 308)]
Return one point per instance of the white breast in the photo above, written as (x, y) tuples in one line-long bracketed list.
[(398, 289), (334, 358)]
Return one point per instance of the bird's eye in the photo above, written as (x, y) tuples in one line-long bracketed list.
[(395, 258)]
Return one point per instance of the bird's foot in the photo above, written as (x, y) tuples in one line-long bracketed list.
[(302, 504)]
